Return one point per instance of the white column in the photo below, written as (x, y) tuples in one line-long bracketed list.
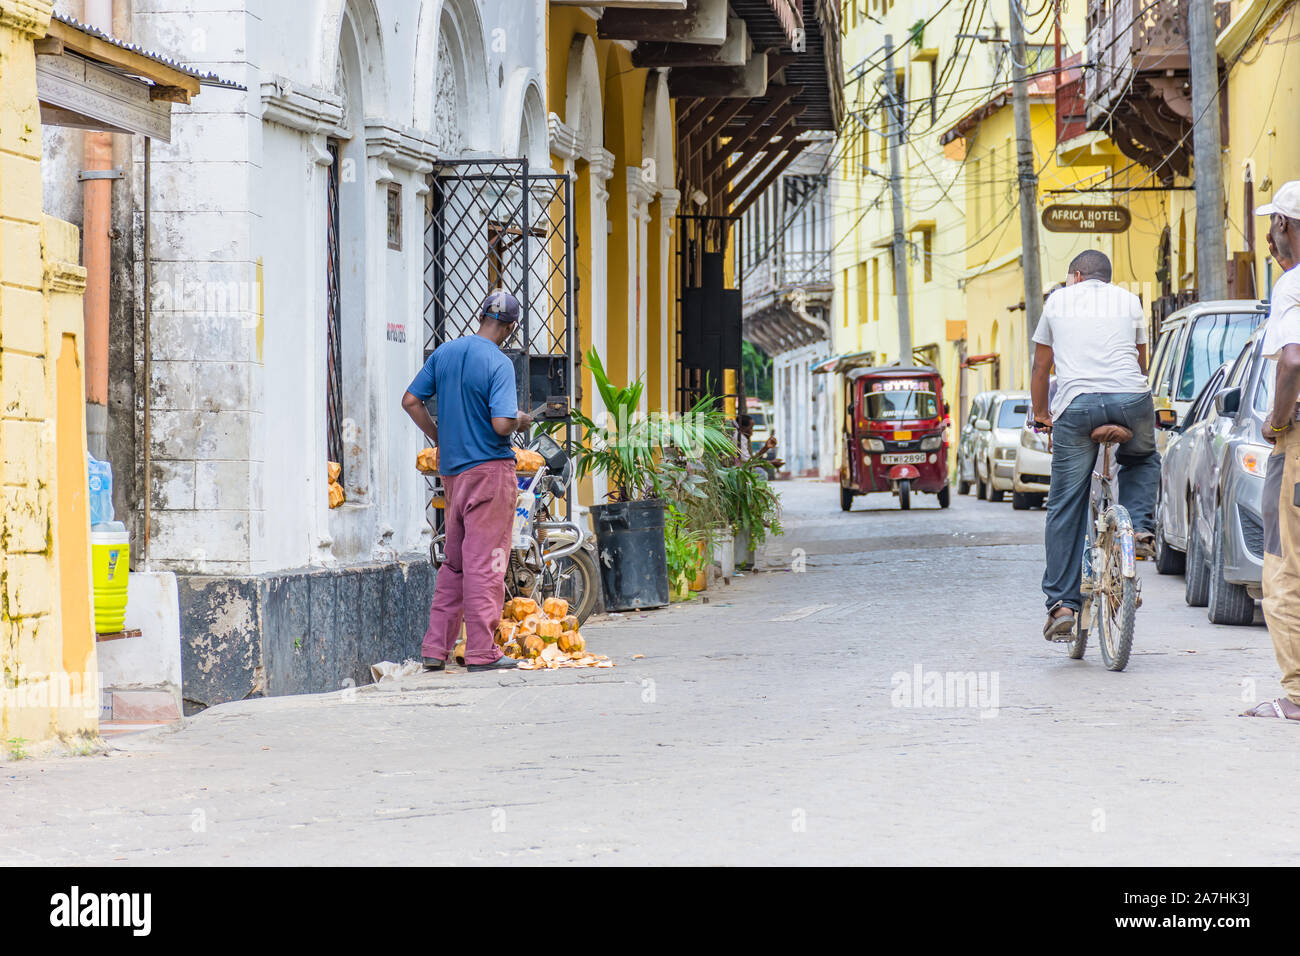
[(669, 199), (640, 193), (600, 166)]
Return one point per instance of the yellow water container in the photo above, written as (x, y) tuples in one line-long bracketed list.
[(109, 557)]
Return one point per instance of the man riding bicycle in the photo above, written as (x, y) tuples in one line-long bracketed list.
[(1095, 334)]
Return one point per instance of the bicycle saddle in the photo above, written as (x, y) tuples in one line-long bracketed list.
[(1118, 434)]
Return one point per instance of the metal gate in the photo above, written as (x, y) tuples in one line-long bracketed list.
[(493, 224), (708, 311)]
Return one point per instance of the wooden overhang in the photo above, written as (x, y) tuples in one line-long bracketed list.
[(739, 123), (88, 79)]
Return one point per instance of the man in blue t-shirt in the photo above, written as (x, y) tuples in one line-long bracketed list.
[(478, 411)]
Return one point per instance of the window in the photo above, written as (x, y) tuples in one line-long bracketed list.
[(333, 315), (864, 314), (900, 405), (927, 254), (1157, 360), (395, 216), (1012, 413), (1214, 339), (1264, 390), (845, 276), (875, 287)]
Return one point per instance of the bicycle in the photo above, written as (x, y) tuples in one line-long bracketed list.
[(1111, 590)]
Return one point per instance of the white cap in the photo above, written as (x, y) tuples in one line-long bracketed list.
[(1286, 201)]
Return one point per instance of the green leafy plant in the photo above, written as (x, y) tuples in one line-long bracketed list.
[(17, 748), (751, 503), (916, 33), (682, 548), (645, 457)]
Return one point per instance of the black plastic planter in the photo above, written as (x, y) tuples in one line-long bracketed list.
[(632, 559)]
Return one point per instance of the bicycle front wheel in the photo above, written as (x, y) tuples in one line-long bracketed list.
[(1115, 603)]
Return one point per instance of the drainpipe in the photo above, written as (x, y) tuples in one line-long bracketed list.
[(97, 198)]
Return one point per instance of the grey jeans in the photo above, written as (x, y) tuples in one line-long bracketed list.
[(1074, 454)]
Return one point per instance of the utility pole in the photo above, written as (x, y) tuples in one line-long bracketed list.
[(894, 131), (1211, 243), (1027, 175)]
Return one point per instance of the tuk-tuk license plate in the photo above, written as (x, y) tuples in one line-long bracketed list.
[(910, 458)]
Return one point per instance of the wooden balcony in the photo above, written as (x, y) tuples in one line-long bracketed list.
[(1137, 84)]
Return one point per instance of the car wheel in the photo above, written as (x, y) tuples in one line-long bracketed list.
[(995, 494), (945, 496), (1020, 500), (1196, 590), (1039, 498), (963, 487), (981, 489), (1228, 603)]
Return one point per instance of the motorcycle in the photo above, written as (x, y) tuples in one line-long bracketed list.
[(549, 556)]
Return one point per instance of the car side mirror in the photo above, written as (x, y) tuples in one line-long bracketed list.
[(983, 425), (1166, 418), (1228, 401)]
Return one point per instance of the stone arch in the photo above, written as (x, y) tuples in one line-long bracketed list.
[(583, 103), (656, 130), (362, 18), (450, 97), (523, 119)]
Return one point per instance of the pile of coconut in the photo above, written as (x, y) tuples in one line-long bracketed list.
[(544, 637)]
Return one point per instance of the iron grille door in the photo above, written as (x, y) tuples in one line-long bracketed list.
[(708, 311), (496, 224), (333, 347)]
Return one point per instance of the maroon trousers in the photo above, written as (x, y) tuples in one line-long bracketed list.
[(471, 584)]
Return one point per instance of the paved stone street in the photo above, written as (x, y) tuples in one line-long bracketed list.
[(760, 727)]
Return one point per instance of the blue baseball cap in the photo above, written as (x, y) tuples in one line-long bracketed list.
[(502, 306)]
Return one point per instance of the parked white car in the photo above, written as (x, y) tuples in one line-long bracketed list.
[(1033, 471), (995, 461)]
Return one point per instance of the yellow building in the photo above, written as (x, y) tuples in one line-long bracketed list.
[(995, 325), (611, 127), (948, 61), (1262, 149), (47, 648), (1145, 106)]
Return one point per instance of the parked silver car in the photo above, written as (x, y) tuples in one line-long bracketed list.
[(995, 451), (969, 440), (1193, 343), (1215, 512)]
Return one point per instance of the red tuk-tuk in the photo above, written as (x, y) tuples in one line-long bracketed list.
[(895, 434)]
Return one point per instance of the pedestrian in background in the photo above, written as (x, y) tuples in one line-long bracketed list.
[(1281, 496), (478, 411)]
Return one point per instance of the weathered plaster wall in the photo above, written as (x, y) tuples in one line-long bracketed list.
[(46, 642), (239, 435)]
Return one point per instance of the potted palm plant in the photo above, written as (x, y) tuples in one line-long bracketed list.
[(643, 460), (753, 507)]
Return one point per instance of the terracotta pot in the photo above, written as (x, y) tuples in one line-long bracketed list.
[(701, 581)]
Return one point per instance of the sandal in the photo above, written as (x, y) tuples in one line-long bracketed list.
[(1059, 629), (1145, 545), (1273, 708)]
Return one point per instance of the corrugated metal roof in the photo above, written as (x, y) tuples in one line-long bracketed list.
[(204, 78)]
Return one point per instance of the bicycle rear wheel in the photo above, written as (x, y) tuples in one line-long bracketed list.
[(1115, 602)]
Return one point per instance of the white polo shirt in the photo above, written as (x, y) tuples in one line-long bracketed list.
[(1283, 327), (1093, 329)]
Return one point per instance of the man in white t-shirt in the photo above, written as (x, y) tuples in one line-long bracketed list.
[(1281, 495), (1095, 335)]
